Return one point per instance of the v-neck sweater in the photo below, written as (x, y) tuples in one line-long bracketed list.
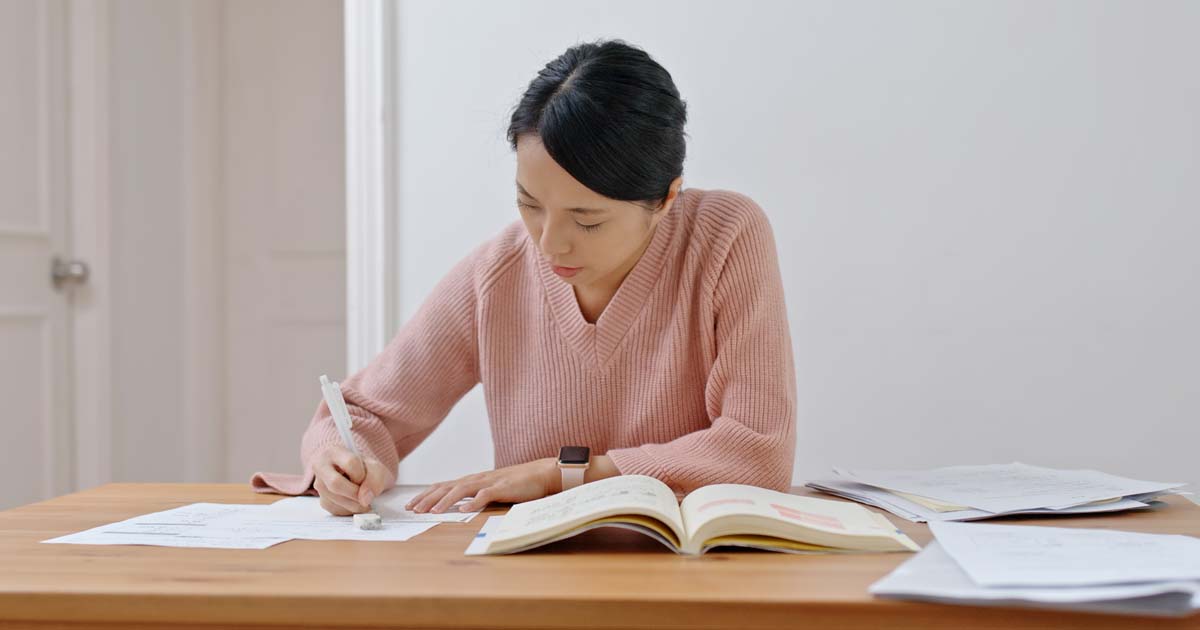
[(687, 375)]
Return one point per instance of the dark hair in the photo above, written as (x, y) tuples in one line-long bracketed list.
[(610, 116)]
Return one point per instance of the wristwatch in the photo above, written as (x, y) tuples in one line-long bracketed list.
[(573, 462)]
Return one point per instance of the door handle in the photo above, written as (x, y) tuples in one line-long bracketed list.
[(64, 272)]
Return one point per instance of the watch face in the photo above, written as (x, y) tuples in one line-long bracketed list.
[(574, 455)]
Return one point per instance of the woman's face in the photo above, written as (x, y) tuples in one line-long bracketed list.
[(591, 241)]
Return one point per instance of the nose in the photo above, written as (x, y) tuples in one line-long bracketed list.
[(555, 239)]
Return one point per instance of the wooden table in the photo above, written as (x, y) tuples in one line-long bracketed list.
[(605, 578)]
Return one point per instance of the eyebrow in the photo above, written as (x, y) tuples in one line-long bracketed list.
[(522, 190)]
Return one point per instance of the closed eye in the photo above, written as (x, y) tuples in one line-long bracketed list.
[(583, 226)]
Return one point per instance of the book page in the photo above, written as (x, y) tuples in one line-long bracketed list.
[(839, 518), (624, 494)]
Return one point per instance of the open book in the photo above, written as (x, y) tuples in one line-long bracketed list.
[(711, 516)]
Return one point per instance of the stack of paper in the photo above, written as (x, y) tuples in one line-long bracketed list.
[(966, 493), (1051, 567), (230, 526)]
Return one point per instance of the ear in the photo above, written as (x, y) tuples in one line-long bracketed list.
[(672, 195)]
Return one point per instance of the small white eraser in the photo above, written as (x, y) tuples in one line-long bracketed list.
[(370, 520)]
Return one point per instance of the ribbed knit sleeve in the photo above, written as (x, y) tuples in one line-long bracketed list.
[(408, 389), (750, 392)]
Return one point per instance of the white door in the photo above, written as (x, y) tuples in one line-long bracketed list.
[(34, 342)]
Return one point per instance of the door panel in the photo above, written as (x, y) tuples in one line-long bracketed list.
[(34, 410)]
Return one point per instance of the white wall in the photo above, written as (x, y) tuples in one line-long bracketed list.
[(986, 212)]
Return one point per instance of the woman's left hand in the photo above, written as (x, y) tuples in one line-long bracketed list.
[(513, 484)]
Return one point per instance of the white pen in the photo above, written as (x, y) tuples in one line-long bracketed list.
[(341, 418)]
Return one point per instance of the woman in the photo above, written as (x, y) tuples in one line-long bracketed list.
[(622, 313)]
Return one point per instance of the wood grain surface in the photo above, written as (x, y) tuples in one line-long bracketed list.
[(606, 578)]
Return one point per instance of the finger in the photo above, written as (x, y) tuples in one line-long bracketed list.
[(431, 494), (338, 484), (349, 464), (333, 508), (344, 504), (350, 507), (476, 480), (454, 495), (431, 498), (481, 500), (341, 491), (375, 482), (417, 498)]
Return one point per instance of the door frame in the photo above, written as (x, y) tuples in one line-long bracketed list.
[(372, 161), (89, 239)]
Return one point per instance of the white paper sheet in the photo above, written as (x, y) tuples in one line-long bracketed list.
[(227, 526), (918, 513), (1025, 555), (303, 518), (1012, 487), (186, 526), (389, 508), (932, 575)]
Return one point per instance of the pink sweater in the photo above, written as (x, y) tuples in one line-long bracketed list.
[(687, 375)]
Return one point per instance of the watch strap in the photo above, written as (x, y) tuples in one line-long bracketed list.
[(572, 476)]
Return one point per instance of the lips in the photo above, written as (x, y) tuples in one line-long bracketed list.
[(566, 272)]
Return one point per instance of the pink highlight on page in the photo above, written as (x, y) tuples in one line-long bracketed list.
[(723, 502), (808, 517)]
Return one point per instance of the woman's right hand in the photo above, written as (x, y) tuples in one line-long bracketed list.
[(346, 482)]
